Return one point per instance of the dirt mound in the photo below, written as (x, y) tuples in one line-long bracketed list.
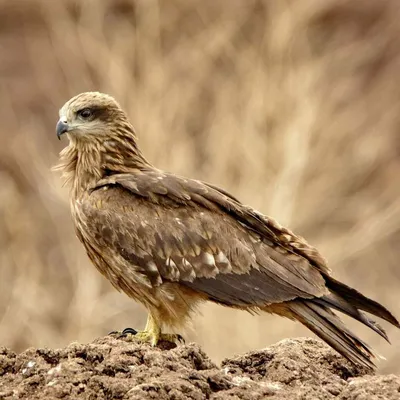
[(111, 368)]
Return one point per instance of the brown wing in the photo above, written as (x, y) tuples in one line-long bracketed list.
[(168, 228)]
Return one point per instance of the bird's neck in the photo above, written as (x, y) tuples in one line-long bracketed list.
[(88, 170), (84, 165)]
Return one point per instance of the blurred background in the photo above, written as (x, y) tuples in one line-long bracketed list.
[(292, 106)]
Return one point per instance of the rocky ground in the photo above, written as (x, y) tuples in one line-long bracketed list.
[(111, 368)]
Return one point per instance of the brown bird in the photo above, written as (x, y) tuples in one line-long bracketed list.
[(171, 242)]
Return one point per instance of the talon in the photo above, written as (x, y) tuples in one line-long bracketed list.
[(152, 334), (180, 338), (129, 331), (124, 333), (172, 338)]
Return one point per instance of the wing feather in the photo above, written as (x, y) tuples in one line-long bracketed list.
[(176, 230)]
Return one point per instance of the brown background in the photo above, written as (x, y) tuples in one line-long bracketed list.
[(293, 106)]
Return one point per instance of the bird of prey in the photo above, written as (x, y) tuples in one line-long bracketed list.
[(172, 242)]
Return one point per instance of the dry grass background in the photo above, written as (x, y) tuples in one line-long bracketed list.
[(293, 106)]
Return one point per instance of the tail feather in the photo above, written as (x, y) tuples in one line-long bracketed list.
[(325, 324), (359, 301), (337, 302), (317, 315)]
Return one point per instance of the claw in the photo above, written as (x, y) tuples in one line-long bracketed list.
[(180, 338), (124, 333), (171, 338), (151, 334), (129, 331)]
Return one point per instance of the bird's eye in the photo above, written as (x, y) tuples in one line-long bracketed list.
[(85, 113)]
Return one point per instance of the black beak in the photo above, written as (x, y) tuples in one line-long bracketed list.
[(61, 128)]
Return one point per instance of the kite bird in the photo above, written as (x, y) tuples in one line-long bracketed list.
[(172, 242)]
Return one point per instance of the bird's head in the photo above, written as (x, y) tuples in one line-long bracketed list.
[(92, 116), (100, 131)]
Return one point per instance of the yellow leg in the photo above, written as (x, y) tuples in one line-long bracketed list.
[(153, 330), (152, 333)]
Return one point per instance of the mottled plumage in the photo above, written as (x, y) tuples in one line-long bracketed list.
[(172, 242)]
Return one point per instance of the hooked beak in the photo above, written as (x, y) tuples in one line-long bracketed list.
[(61, 128)]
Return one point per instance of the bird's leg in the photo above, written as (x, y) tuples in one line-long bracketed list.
[(152, 333)]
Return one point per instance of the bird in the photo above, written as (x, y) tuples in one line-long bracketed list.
[(173, 243)]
